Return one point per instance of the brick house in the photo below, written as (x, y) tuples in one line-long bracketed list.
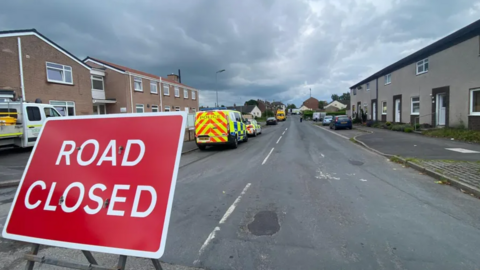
[(311, 103), (129, 90), (39, 70)]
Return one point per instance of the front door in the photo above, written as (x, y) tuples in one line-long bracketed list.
[(441, 109), (99, 109), (397, 110), (374, 111)]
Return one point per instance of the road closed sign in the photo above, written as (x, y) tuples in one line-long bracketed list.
[(100, 183)]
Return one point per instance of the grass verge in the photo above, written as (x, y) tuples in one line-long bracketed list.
[(459, 134)]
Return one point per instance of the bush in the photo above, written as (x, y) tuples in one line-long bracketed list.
[(417, 126), (408, 130), (337, 113), (357, 121), (307, 114), (396, 128), (370, 123), (388, 124), (377, 124)]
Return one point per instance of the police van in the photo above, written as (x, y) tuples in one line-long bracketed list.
[(218, 126)]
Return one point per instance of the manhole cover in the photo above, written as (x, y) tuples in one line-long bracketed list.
[(355, 162), (264, 223)]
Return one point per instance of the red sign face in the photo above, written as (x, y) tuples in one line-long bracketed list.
[(100, 183)]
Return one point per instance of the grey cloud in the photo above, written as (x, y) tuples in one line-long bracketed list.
[(262, 44)]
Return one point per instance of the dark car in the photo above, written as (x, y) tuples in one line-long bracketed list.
[(271, 121), (341, 121)]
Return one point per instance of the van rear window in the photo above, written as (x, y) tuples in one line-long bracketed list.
[(34, 114)]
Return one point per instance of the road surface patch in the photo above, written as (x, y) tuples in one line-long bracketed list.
[(264, 223), (355, 162)]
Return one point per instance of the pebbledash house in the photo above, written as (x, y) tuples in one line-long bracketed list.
[(437, 85)]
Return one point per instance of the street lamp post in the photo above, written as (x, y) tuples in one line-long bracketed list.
[(216, 84)]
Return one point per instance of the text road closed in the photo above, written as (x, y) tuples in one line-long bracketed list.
[(100, 184)]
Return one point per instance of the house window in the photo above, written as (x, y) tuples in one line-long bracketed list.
[(167, 108), (154, 108), (475, 101), (166, 90), (368, 86), (194, 95), (384, 107), (177, 92), (388, 79), (177, 109), (137, 83), (59, 73), (34, 114), (354, 91), (415, 105), (153, 87), (140, 108), (97, 83), (65, 108), (422, 66), (194, 110), (185, 93)]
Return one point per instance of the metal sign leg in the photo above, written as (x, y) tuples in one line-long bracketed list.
[(89, 257), (156, 264), (34, 251), (122, 261)]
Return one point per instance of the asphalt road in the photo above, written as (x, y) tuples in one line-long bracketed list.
[(301, 197)]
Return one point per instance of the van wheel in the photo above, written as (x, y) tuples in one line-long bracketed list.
[(235, 143), (202, 147), (255, 133), (245, 137)]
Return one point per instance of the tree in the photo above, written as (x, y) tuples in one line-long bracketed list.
[(251, 102), (335, 97), (269, 113), (291, 106), (345, 96), (322, 104)]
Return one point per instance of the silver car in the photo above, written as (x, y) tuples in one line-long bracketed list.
[(326, 120)]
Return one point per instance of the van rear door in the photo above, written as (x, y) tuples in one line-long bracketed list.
[(34, 120)]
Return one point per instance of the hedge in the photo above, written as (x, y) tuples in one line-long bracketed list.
[(337, 113)]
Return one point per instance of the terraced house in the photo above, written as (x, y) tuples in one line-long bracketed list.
[(36, 69), (438, 85), (118, 89)]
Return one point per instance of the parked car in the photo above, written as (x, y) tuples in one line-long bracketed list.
[(271, 121), (326, 121), (253, 127), (341, 121)]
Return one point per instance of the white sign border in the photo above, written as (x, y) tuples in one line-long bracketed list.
[(119, 251)]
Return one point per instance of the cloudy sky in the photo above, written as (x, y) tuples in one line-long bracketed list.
[(271, 49)]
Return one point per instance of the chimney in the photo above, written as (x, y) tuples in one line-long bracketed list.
[(234, 105), (173, 77)]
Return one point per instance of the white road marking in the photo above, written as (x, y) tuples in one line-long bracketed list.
[(322, 155), (230, 210), (462, 150), (346, 138), (363, 180), (286, 129), (232, 207), (265, 160), (279, 139), (283, 133)]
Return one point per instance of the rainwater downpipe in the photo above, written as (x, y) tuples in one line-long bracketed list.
[(376, 105), (131, 95), (22, 85)]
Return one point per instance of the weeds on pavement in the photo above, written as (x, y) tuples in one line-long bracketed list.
[(460, 134)]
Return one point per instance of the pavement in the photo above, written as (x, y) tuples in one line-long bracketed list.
[(434, 154), (301, 197)]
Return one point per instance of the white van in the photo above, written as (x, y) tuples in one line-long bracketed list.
[(21, 122)]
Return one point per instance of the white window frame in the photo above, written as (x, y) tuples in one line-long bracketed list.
[(388, 78), (185, 93), (167, 87), (368, 86), (155, 107), (97, 78), (177, 109), (167, 108), (194, 95), (63, 70), (411, 106), (139, 106), (471, 101), (384, 105), (137, 80), (194, 110), (66, 104), (156, 87), (177, 91), (422, 63)]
